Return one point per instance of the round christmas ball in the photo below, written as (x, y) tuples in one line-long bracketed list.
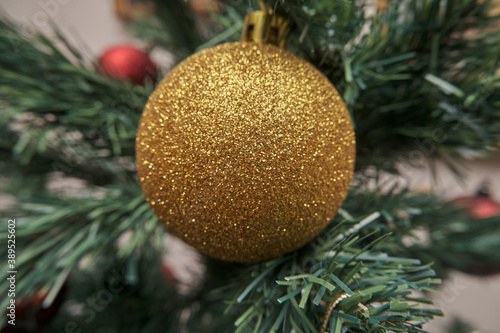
[(245, 151), (480, 206), (128, 62), (31, 316)]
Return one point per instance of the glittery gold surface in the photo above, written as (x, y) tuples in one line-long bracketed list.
[(245, 151)]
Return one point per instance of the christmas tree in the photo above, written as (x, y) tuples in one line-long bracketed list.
[(420, 81)]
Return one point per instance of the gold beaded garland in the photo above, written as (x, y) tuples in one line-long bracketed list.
[(245, 151)]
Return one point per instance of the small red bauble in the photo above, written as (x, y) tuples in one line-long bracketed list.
[(30, 316), (128, 62), (480, 207)]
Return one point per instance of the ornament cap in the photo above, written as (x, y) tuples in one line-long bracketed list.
[(484, 190), (265, 27)]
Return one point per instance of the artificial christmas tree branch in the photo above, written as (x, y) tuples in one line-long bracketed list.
[(317, 275), (55, 235), (52, 105), (423, 227)]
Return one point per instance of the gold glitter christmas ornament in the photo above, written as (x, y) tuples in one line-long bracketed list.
[(245, 151)]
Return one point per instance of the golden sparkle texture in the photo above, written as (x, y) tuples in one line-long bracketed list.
[(245, 151)]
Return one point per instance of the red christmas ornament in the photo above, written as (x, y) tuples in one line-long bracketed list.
[(480, 206), (30, 316), (127, 62)]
